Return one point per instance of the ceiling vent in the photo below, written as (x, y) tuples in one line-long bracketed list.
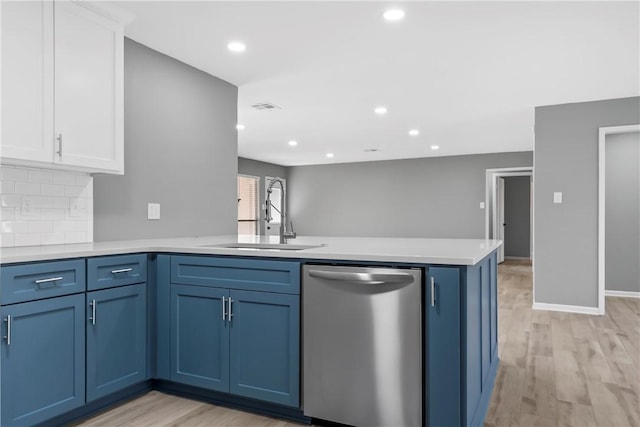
[(265, 106)]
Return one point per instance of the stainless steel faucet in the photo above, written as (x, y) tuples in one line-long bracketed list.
[(284, 234)]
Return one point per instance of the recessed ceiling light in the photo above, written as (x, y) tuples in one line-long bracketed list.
[(380, 110), (239, 126), (435, 147), (371, 150), (393, 14), (414, 132), (293, 143), (329, 155), (236, 47)]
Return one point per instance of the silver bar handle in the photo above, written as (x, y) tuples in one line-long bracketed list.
[(363, 277), (8, 336), (121, 270), (230, 315), (50, 279), (59, 139), (93, 305), (224, 308), (433, 292)]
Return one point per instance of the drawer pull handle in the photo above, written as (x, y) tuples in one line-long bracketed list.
[(50, 279), (8, 336), (93, 305), (121, 270)]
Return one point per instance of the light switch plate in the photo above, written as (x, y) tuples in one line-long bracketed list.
[(557, 197), (153, 211), (481, 205)]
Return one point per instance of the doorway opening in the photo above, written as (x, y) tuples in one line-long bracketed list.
[(509, 195), (618, 213)]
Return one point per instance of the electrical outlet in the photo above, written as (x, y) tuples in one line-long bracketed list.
[(26, 206), (153, 210), (74, 210)]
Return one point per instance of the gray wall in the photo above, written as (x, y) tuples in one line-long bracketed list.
[(566, 159), (262, 170), (622, 212), (427, 197), (180, 151), (517, 216)]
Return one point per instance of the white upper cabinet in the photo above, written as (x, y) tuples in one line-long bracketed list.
[(74, 120), (27, 81)]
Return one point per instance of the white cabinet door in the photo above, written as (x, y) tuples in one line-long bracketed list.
[(27, 81), (88, 89)]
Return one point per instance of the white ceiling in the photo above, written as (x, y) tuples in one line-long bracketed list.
[(466, 74)]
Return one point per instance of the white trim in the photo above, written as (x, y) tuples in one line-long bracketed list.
[(517, 257), (580, 309), (621, 294), (602, 136), (491, 175)]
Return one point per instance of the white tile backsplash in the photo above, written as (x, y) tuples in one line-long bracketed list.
[(43, 207)]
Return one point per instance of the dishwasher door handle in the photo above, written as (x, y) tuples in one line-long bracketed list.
[(369, 278)]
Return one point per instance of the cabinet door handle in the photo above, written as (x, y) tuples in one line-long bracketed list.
[(8, 336), (230, 309), (93, 305), (433, 292), (224, 308), (59, 139), (50, 279), (121, 270)]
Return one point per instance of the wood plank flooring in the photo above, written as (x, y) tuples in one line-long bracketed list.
[(564, 369), (556, 369)]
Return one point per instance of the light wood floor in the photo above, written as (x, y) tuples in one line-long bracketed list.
[(556, 369), (563, 369)]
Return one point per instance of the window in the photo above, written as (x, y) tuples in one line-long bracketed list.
[(248, 204)]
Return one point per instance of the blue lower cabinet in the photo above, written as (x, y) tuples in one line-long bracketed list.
[(443, 376), (243, 342), (199, 337), (116, 339), (265, 331), (43, 359)]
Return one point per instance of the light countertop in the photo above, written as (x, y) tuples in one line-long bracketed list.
[(406, 250)]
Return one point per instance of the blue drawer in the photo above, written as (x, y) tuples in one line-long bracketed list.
[(111, 271), (245, 274), (28, 282)]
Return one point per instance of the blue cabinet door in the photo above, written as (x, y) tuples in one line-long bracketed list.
[(265, 346), (43, 360), (116, 339), (442, 375), (199, 337)]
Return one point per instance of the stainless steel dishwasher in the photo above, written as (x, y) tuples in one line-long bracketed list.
[(362, 345)]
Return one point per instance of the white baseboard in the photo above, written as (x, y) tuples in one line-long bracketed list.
[(566, 308), (624, 294), (517, 257)]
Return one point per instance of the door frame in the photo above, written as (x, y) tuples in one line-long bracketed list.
[(602, 138), (490, 199)]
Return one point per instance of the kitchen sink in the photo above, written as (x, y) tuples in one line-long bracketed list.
[(271, 246)]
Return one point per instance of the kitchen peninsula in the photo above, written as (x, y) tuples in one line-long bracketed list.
[(155, 296)]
